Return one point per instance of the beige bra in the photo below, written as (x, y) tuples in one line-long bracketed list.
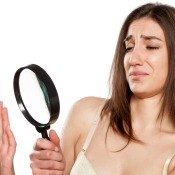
[(82, 166)]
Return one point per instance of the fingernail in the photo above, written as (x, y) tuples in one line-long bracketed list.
[(56, 148)]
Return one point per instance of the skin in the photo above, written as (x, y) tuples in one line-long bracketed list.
[(146, 59), (7, 143), (146, 67)]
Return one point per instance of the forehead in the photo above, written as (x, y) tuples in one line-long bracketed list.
[(147, 27)]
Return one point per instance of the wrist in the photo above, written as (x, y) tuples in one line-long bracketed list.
[(7, 170)]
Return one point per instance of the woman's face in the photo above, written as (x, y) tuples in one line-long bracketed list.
[(146, 58)]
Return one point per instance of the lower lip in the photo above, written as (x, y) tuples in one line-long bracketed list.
[(137, 77)]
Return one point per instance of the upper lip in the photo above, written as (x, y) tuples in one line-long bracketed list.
[(137, 73)]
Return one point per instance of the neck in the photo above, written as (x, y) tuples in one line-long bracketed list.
[(145, 112)]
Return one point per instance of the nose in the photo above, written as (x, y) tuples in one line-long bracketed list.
[(136, 57)]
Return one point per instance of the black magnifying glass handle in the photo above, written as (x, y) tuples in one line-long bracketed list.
[(43, 132), (45, 135)]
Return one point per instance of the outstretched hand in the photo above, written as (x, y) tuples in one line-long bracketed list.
[(47, 157), (7, 143)]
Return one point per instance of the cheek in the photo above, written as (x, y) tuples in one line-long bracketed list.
[(160, 67), (163, 70)]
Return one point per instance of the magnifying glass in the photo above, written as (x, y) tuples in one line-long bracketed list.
[(37, 97)]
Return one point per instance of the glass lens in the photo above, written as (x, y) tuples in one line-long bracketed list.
[(34, 95)]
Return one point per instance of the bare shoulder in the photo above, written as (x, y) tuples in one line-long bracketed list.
[(84, 109), (82, 114), (77, 126)]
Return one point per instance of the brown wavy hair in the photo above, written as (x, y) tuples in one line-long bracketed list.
[(118, 105)]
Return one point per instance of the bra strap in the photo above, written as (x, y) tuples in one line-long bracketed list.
[(92, 130), (165, 168)]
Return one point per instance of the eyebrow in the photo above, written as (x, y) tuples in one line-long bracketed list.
[(142, 36)]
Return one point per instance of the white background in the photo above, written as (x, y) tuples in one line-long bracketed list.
[(73, 40)]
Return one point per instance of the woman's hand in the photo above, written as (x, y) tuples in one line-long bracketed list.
[(7, 143), (47, 157)]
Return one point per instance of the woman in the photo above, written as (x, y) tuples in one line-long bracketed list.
[(132, 132), (7, 144)]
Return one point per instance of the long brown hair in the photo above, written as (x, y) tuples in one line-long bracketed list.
[(119, 102)]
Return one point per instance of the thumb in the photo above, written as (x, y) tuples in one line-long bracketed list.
[(54, 138)]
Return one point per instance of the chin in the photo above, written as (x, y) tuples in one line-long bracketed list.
[(141, 94)]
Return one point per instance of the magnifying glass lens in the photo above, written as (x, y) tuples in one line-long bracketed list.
[(37, 97)]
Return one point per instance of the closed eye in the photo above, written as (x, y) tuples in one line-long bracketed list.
[(129, 49), (152, 47)]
